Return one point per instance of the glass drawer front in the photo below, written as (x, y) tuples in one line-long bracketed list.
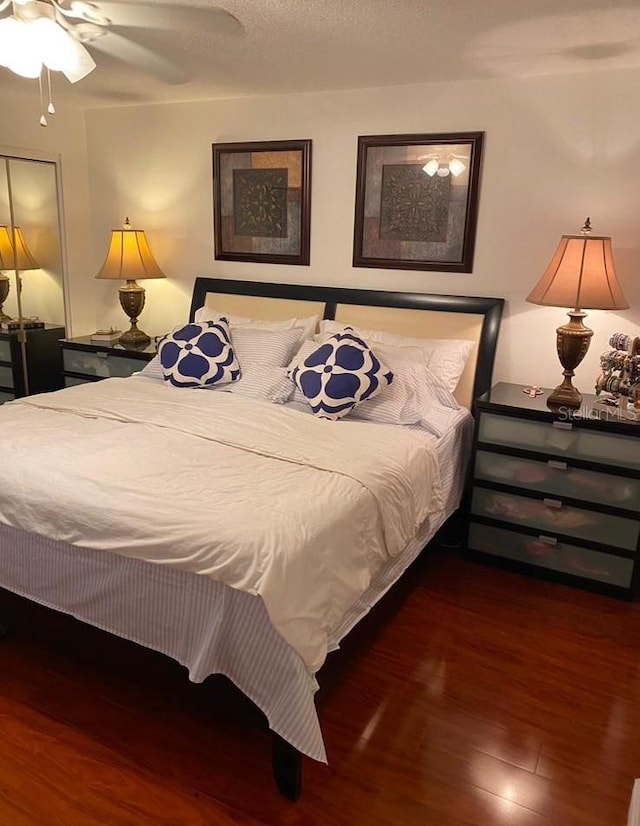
[(5, 351), (6, 397), (569, 559), (553, 478), (616, 531), (103, 365), (576, 442), (6, 376)]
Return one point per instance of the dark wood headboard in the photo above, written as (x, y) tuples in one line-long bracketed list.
[(489, 310)]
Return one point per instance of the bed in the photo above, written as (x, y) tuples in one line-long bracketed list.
[(132, 532)]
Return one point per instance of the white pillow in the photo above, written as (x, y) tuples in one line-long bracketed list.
[(446, 358), (308, 325)]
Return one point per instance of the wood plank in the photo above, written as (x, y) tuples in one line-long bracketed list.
[(472, 696)]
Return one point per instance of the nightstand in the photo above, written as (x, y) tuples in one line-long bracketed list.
[(556, 495), (44, 367), (84, 360)]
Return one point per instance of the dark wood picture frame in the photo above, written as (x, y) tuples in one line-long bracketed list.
[(262, 201), (410, 219)]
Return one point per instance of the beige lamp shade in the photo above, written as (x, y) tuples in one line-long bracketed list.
[(581, 274), (22, 260), (129, 257)]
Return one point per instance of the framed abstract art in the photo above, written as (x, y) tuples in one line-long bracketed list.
[(417, 201), (262, 201)]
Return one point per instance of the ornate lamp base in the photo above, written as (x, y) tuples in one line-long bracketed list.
[(572, 344), (134, 338), (5, 284), (132, 300), (565, 395)]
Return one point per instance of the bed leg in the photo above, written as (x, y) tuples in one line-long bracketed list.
[(287, 767), (453, 533)]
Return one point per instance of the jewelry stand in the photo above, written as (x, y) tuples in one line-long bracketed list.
[(620, 376)]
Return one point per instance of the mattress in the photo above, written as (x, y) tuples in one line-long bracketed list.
[(202, 623)]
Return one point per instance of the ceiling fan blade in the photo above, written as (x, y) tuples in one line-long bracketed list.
[(84, 63), (87, 32), (171, 16), (81, 10), (120, 47), (89, 12)]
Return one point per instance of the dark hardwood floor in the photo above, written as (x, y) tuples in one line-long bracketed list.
[(471, 696)]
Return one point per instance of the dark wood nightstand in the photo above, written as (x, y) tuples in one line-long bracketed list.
[(85, 360), (44, 367), (556, 495)]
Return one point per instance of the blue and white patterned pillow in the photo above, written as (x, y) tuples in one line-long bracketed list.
[(339, 374), (199, 355)]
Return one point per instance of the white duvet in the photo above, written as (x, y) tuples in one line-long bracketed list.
[(298, 510)]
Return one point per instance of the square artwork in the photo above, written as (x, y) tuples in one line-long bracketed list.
[(413, 206), (260, 200), (417, 201)]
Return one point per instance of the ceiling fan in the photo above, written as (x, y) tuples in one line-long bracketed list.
[(40, 36), (40, 33)]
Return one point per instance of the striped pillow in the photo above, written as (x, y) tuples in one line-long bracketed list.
[(272, 385), (261, 354), (308, 325), (429, 401), (256, 348)]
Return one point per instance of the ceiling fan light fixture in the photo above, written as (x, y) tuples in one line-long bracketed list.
[(16, 52), (431, 167), (53, 44), (33, 38), (456, 167)]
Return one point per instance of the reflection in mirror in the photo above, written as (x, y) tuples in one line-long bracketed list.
[(32, 290), (6, 255), (34, 193), (15, 258), (8, 292)]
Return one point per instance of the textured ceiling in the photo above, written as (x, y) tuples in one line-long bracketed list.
[(182, 50)]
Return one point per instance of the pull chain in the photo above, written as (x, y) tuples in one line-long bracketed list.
[(43, 120), (51, 109)]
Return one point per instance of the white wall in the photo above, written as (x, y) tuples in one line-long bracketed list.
[(64, 140), (557, 149)]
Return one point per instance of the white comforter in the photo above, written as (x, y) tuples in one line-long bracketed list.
[(297, 510)]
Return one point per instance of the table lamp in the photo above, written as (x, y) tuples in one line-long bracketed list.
[(23, 260), (129, 258), (581, 275)]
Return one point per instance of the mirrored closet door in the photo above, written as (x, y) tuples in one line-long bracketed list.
[(32, 284)]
